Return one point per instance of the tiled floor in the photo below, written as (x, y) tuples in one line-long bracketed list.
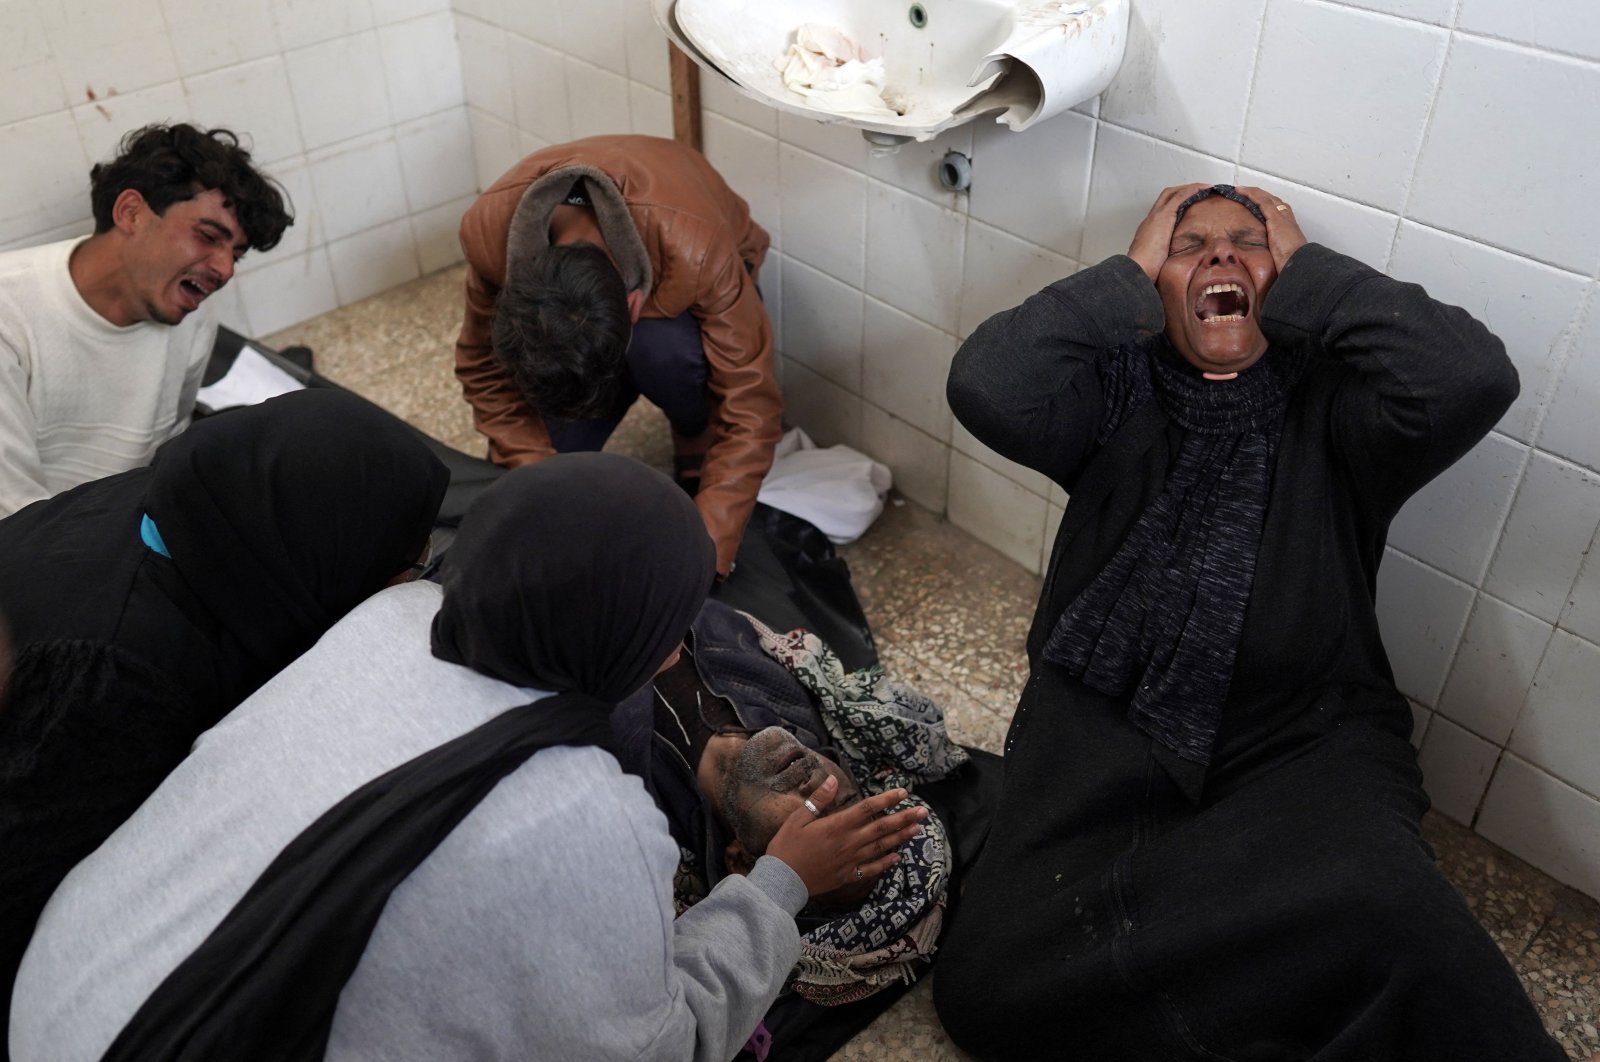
[(950, 616)]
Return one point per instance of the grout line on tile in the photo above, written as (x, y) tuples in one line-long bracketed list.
[(1427, 127), (1250, 88)]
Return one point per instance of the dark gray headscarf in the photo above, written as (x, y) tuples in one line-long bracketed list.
[(1226, 191), (579, 573)]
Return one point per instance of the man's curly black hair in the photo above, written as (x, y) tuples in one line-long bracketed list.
[(168, 164)]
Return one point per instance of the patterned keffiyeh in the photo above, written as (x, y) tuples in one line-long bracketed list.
[(890, 736)]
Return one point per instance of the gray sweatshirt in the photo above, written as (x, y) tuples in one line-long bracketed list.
[(542, 927)]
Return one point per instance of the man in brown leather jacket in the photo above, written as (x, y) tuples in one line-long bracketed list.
[(612, 267)]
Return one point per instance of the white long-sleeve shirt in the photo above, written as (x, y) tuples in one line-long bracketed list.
[(80, 397), (541, 927)]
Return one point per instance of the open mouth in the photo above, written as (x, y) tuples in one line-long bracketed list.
[(193, 290), (1221, 303)]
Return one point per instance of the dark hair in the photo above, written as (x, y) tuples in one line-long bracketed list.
[(561, 328), (172, 163)]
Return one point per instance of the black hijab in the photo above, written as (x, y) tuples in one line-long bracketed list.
[(578, 574), (282, 517), (600, 627)]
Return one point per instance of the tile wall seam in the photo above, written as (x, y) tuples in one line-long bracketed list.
[(1488, 783), (1541, 50), (1522, 705), (1387, 16), (1566, 605), (1561, 359), (1575, 787), (1480, 240), (1177, 144), (1427, 127), (1249, 88)]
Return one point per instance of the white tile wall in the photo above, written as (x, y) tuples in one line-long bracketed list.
[(373, 261), (1456, 766), (1552, 523), (829, 414), (1582, 616), (1453, 522), (338, 89), (421, 66), (597, 99), (652, 111), (102, 49), (1559, 729), (1533, 197), (1014, 174), (1571, 26), (914, 255), (358, 184), (824, 210), (1494, 668), (1001, 271), (1194, 95), (1421, 612), (748, 161), (216, 35), (1531, 307), (919, 462), (997, 510), (33, 86), (904, 366), (1340, 99), (1540, 818), (823, 325), (1571, 429)]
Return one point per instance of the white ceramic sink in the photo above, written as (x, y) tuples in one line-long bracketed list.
[(944, 61)]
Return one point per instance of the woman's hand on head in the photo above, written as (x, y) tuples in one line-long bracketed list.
[(1152, 241), (856, 844), (1284, 237)]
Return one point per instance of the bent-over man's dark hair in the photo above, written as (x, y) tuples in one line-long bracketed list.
[(561, 328), (172, 163)]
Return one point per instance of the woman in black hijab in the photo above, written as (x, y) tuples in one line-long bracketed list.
[(146, 605)]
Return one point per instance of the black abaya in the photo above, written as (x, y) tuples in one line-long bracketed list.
[(1279, 903)]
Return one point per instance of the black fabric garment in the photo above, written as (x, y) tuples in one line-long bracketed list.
[(489, 621), (1161, 621), (264, 985), (554, 579), (788, 575), (1277, 903), (281, 523), (279, 518)]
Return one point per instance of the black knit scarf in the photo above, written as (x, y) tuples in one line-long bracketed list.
[(1162, 619)]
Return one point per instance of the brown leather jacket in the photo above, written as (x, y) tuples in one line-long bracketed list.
[(680, 234)]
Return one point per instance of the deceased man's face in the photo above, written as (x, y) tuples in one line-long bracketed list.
[(1212, 285)]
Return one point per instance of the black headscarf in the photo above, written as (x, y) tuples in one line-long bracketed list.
[(578, 574), (1226, 191), (597, 628), (282, 517)]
